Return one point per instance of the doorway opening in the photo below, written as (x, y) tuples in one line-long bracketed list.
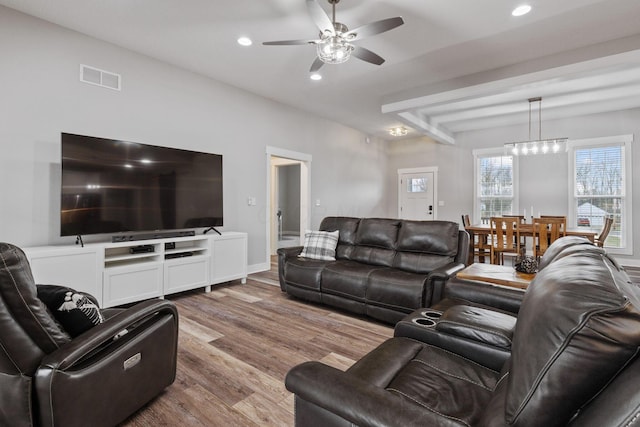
[(288, 198), (286, 179)]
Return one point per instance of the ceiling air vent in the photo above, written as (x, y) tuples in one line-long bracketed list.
[(98, 77)]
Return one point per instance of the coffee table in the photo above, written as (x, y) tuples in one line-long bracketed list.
[(496, 274)]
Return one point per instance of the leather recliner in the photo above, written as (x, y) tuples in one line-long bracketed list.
[(573, 361), (98, 378)]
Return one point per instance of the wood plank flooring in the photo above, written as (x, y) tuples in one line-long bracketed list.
[(235, 347)]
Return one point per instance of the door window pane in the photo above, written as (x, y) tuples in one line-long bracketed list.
[(416, 185)]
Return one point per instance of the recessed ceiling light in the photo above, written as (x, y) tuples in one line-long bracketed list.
[(245, 41), (315, 76), (521, 10)]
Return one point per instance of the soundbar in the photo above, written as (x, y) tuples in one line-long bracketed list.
[(150, 236)]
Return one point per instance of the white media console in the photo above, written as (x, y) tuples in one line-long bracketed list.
[(120, 273)]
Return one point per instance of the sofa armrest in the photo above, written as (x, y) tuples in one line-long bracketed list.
[(290, 252), (108, 372), (108, 332), (355, 400), (484, 293), (485, 326), (463, 247), (438, 278), (283, 255)]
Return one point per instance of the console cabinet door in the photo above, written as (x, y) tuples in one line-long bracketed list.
[(132, 283), (229, 257), (182, 274)]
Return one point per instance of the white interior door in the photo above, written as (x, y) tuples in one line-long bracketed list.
[(417, 195)]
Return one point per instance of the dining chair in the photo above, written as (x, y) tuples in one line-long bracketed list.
[(606, 228), (505, 237), (547, 230), (481, 247), (523, 220)]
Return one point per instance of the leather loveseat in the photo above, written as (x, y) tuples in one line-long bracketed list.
[(383, 268), (573, 361)]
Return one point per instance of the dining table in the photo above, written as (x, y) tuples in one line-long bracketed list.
[(526, 230)]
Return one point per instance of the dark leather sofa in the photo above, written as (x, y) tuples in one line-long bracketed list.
[(384, 268), (97, 378), (573, 361)]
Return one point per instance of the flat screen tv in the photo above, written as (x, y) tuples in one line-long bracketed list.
[(111, 186)]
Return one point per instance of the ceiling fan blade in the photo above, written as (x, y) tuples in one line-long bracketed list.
[(321, 19), (373, 28), (367, 55), (316, 65), (290, 42)]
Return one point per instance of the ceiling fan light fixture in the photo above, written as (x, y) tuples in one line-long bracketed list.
[(334, 43), (334, 50)]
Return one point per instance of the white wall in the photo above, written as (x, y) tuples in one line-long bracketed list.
[(543, 179), (162, 105), (454, 187)]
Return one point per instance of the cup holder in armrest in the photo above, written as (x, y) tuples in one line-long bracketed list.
[(424, 321), (431, 314)]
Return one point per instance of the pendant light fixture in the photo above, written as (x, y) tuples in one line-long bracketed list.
[(536, 146)]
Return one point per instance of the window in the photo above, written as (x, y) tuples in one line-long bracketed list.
[(495, 186), (416, 185), (600, 176)]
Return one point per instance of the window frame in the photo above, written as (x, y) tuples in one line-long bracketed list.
[(494, 152), (627, 191)]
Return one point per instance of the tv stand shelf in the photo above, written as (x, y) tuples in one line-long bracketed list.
[(125, 272), (128, 258)]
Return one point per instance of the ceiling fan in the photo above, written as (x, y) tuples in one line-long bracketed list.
[(335, 43)]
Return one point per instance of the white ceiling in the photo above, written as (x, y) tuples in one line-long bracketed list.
[(455, 65)]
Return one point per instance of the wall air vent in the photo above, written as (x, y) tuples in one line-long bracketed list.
[(98, 77)]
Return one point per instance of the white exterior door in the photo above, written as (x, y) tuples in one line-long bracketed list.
[(417, 194)]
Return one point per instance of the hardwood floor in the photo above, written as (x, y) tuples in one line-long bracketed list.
[(236, 345)]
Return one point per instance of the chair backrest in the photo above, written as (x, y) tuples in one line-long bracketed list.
[(505, 233), (606, 228), (27, 329), (577, 336), (521, 218), (466, 221), (547, 230), (416, 246)]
